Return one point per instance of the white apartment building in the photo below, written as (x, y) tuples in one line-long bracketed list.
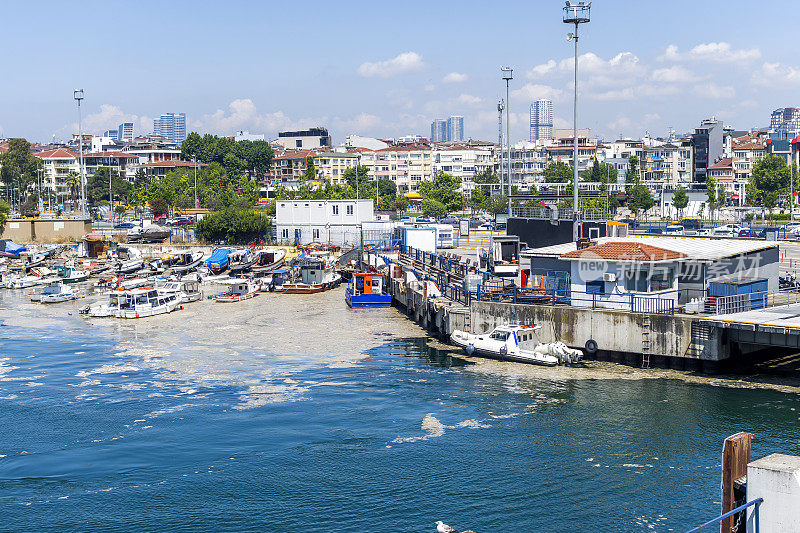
[(541, 122), (407, 166), (462, 162), (668, 164), (528, 161), (332, 165), (327, 221), (745, 156), (58, 164)]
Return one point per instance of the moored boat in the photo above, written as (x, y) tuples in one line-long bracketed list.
[(218, 262), (146, 301), (516, 343), (242, 290), (366, 290), (71, 275), (188, 290), (316, 275), (268, 259), (56, 292)]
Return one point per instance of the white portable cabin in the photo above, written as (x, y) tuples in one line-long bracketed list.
[(445, 236), (418, 237)]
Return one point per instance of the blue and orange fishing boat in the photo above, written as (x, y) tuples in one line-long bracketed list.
[(366, 290)]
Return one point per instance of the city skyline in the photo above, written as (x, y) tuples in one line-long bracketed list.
[(648, 78)]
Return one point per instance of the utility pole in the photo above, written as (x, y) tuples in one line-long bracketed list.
[(508, 75), (576, 14), (500, 107), (77, 94)]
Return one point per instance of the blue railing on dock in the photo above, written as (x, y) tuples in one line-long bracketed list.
[(719, 519)]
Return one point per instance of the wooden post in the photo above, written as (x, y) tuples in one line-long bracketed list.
[(735, 456)]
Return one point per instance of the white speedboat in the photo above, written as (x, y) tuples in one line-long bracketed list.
[(237, 292), (55, 292), (516, 343), (188, 290), (144, 302), (107, 308)]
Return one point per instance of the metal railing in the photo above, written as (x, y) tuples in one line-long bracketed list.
[(547, 213), (740, 303), (757, 502)]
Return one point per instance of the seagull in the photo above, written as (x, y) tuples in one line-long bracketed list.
[(444, 528)]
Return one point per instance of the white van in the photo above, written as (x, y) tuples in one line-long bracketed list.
[(675, 229)]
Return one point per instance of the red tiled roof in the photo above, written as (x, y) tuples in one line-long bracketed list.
[(302, 154), (407, 148), (749, 146), (170, 163), (3, 147), (722, 164), (58, 153), (624, 251)]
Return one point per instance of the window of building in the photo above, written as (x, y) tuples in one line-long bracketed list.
[(315, 234), (298, 143), (595, 287), (349, 209), (284, 233), (335, 209)]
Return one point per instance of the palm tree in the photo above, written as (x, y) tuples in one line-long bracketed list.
[(73, 182)]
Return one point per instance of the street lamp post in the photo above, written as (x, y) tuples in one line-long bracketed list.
[(194, 160), (575, 13), (500, 107), (77, 94), (508, 75)]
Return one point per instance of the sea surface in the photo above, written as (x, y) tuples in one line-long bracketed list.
[(294, 413)]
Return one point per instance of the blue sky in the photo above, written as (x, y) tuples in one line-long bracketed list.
[(389, 68)]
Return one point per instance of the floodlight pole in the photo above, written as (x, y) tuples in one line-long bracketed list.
[(508, 75), (77, 94)]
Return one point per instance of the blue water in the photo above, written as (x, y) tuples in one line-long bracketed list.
[(269, 417)]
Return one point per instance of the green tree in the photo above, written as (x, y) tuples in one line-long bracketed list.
[(234, 226), (770, 178), (4, 212), (600, 173), (558, 172), (309, 173), (18, 166), (237, 157), (444, 188), (433, 208), (97, 185), (633, 170), (680, 199), (639, 198), (497, 203)]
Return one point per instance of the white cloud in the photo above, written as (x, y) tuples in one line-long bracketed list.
[(721, 52), (468, 99), (545, 69), (243, 115), (109, 117), (771, 74), (405, 62), (674, 74), (531, 91), (361, 123), (626, 93), (712, 90), (454, 77), (399, 98)]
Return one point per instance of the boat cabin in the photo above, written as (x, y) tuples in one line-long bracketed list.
[(312, 272), (367, 283)]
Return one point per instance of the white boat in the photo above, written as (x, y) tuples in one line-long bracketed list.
[(58, 292), (144, 302), (21, 282), (317, 274), (188, 290), (243, 290), (106, 308), (516, 343)]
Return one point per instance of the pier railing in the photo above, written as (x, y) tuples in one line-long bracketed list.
[(739, 303), (754, 503)]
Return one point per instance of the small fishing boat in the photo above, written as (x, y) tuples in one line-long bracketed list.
[(241, 261), (146, 234), (130, 266), (218, 262), (268, 259), (108, 308), (185, 262), (188, 290), (243, 290), (366, 290), (277, 280), (516, 343), (316, 275), (56, 292), (146, 301), (71, 275)]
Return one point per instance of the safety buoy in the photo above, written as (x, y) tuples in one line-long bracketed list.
[(591, 346), (470, 349)]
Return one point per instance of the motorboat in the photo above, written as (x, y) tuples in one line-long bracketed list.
[(278, 279), (185, 262), (218, 262), (146, 301), (366, 290), (108, 308), (267, 260), (241, 262), (316, 275), (516, 343), (56, 292), (69, 274), (130, 266), (243, 290), (150, 233), (188, 290)]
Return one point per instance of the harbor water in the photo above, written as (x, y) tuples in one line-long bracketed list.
[(293, 412)]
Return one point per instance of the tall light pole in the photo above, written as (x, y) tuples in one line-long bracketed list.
[(77, 94), (507, 74), (194, 160), (500, 107), (575, 13)]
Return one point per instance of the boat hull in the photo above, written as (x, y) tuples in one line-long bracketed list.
[(366, 300), (230, 298), (531, 358)]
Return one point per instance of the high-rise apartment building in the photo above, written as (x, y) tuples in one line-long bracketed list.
[(785, 122), (125, 131), (708, 149), (455, 128), (172, 126), (438, 130), (542, 120)]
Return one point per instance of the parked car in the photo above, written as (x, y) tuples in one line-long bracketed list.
[(763, 233), (746, 232), (790, 226), (629, 221), (703, 232), (486, 226), (654, 231), (727, 230), (451, 219), (125, 225), (475, 222), (500, 226), (675, 229)]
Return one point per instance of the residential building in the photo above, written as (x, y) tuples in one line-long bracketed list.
[(125, 132), (172, 126), (455, 128), (357, 141), (287, 168), (152, 151), (58, 164), (785, 119), (122, 162), (102, 144), (407, 165), (331, 166), (439, 130), (310, 139), (564, 149), (158, 169), (541, 120), (247, 136), (668, 164), (722, 172), (329, 221), (707, 143), (112, 134), (528, 161), (462, 161), (746, 151)]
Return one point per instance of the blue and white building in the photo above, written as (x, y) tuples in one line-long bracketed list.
[(172, 126)]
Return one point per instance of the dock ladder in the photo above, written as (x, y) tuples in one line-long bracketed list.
[(646, 341), (468, 320)]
